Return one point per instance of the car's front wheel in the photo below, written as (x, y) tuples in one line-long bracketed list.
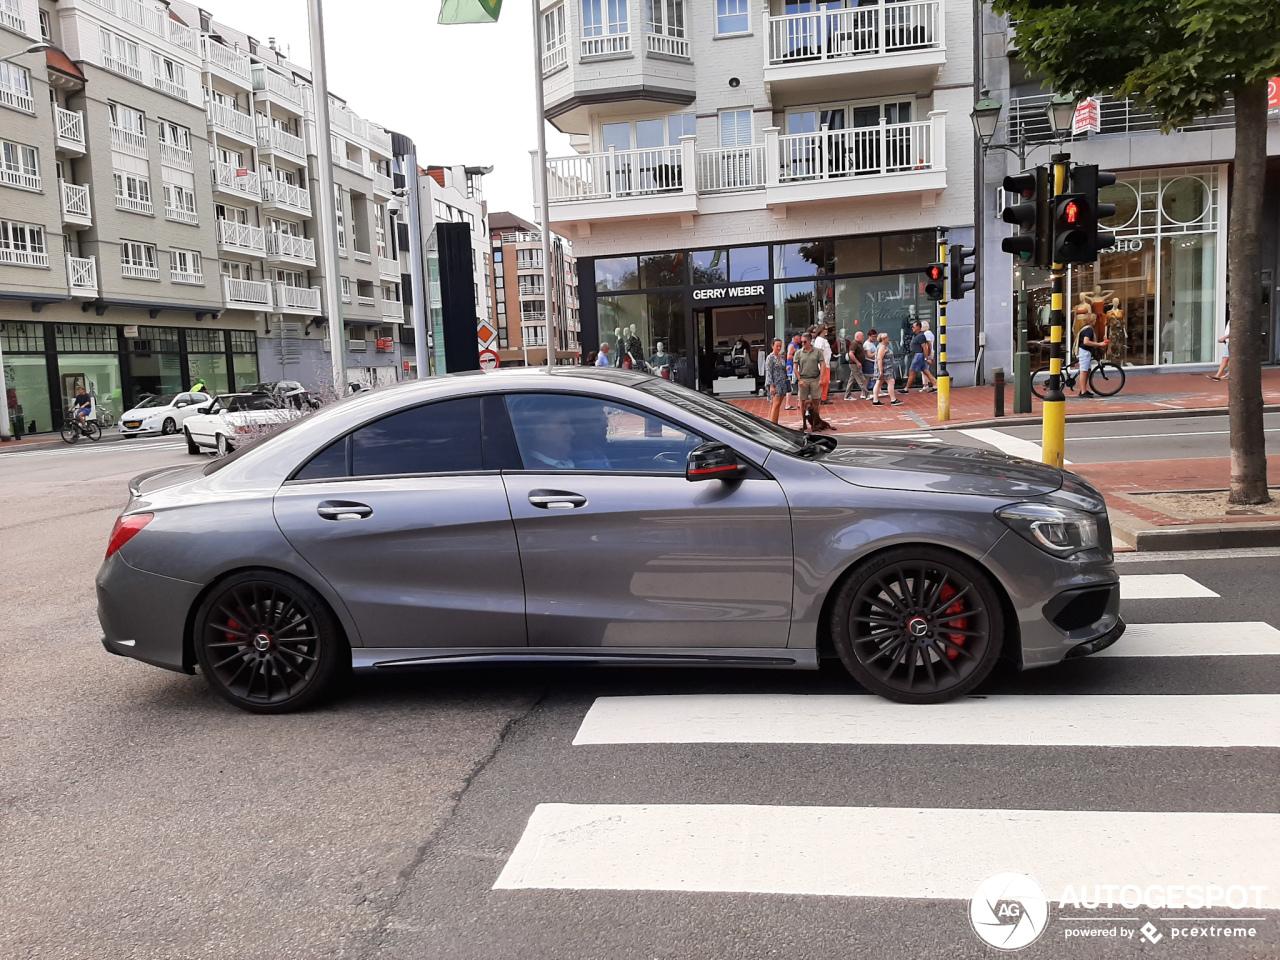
[(918, 625), (268, 643), (169, 427)]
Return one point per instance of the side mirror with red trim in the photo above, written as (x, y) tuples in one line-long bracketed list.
[(713, 461)]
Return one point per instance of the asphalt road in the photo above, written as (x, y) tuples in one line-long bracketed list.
[(142, 817)]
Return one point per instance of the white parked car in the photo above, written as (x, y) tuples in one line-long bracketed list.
[(233, 418), (164, 414)]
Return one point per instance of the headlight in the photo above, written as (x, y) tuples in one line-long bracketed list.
[(1060, 531)]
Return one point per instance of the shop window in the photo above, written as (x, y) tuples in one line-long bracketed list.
[(710, 266), (662, 270), (802, 259), (85, 338), (857, 255), (748, 263), (617, 273), (908, 251), (645, 332)]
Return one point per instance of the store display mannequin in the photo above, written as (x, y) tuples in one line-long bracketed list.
[(1117, 332), (660, 357), (634, 348), (1091, 309), (617, 346)]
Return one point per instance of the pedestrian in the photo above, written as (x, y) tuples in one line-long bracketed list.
[(775, 380), (857, 367), (1225, 340), (884, 373), (809, 364), (793, 384), (1085, 347), (820, 342), (590, 360), (920, 355), (603, 359)]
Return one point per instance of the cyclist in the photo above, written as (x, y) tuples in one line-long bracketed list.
[(83, 404), (1085, 346)]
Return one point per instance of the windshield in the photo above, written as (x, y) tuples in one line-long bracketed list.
[(235, 402), (771, 435), (162, 401)]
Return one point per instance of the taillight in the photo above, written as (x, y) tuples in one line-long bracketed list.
[(125, 529)]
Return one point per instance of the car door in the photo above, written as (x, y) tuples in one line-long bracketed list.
[(619, 549), (407, 519)]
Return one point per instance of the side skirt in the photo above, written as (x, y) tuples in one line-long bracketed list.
[(375, 659)]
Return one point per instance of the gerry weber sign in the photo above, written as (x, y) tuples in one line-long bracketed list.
[(720, 293)]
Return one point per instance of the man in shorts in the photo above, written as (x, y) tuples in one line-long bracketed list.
[(1085, 347), (921, 353), (809, 365)]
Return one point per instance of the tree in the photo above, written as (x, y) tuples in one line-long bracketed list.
[(1181, 59)]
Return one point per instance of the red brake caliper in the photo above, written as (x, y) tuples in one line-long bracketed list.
[(231, 637), (948, 592)]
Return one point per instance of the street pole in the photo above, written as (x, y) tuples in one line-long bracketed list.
[(1054, 431), (545, 201), (326, 214), (944, 378), (420, 346), (1022, 367)]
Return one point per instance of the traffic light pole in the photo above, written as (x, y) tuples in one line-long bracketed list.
[(1054, 431), (944, 378), (1022, 369)]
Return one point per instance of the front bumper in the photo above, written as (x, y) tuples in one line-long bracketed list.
[(144, 615), (145, 430)]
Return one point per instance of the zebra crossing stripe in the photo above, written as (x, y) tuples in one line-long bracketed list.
[(1161, 586), (1251, 720), (905, 852), (1195, 640), (1005, 443)]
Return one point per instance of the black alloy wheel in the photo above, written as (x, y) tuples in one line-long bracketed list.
[(268, 643), (918, 625), (168, 428)]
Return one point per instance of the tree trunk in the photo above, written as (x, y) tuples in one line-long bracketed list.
[(1244, 303)]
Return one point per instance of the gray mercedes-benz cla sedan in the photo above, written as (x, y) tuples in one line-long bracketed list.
[(599, 516)]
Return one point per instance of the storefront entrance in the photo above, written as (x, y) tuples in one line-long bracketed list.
[(732, 342)]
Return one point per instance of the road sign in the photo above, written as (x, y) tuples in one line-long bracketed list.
[(489, 360), (1088, 117)]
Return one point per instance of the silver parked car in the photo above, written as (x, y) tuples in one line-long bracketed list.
[(593, 515)]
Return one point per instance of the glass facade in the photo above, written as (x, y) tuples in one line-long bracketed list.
[(26, 378), (207, 360), (155, 362), (244, 357), (89, 357)]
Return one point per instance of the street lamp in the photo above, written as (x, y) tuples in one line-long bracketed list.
[(986, 117), (40, 47), (1061, 111)]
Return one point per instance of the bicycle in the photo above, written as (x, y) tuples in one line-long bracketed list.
[(1106, 379), (73, 429)]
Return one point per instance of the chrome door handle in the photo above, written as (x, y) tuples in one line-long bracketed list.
[(556, 500), (331, 510)]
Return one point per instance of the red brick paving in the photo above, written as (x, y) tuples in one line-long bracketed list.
[(1148, 476)]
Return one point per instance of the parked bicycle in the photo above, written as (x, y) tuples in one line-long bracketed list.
[(1106, 379), (73, 428)]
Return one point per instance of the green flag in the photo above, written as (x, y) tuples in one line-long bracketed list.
[(470, 11)]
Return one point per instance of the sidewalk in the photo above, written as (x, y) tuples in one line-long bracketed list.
[(1162, 393)]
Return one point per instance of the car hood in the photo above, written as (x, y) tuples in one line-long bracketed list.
[(889, 464), (144, 413)]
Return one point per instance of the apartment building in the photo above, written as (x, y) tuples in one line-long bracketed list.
[(746, 169), (520, 296), (1160, 293), (157, 208)]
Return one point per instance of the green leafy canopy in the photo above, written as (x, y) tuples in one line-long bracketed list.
[(1180, 59)]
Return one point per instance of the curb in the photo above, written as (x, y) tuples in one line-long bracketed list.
[(58, 443), (1161, 414), (1147, 537)]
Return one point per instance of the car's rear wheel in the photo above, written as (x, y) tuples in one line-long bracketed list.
[(918, 625), (224, 445), (168, 428), (192, 446), (268, 643)]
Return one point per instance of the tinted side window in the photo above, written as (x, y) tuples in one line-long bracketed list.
[(435, 438), (332, 461)]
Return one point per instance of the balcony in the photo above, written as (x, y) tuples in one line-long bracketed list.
[(652, 182), (239, 182), (180, 214), (727, 169), (555, 56), (11, 16), (171, 87), (902, 42), (363, 301), (241, 238), (274, 140), (271, 85), (27, 257), (283, 246), (185, 276), (76, 209), (17, 99), (667, 46), (134, 204), (246, 294), (224, 119), (139, 271), (357, 346), (304, 300), (388, 268), (128, 141), (531, 290), (69, 126), (606, 45), (382, 184), (21, 178), (82, 276), (176, 156), (286, 196), (533, 341), (122, 67), (226, 62), (180, 35), (393, 309), (863, 161)]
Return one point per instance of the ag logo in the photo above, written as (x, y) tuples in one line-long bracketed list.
[(1009, 911)]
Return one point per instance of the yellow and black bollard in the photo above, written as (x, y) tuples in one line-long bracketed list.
[(944, 378), (1054, 434)]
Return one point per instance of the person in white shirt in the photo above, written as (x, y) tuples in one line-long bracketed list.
[(820, 342), (933, 347)]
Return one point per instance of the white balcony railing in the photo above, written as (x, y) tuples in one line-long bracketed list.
[(143, 14), (357, 346), (24, 258), (20, 178), (227, 177), (364, 301), (524, 237), (381, 183), (297, 299), (133, 204), (531, 290), (70, 125), (122, 67), (255, 294), (293, 248), (854, 32), (18, 99), (226, 120), (286, 195), (139, 271), (393, 309), (11, 16), (553, 58), (180, 35), (82, 275), (176, 156), (185, 276), (180, 214), (273, 138), (276, 86), (533, 341), (667, 45), (388, 267), (606, 45), (860, 151), (171, 87), (243, 237), (75, 200), (618, 173), (731, 168), (128, 141), (227, 59)]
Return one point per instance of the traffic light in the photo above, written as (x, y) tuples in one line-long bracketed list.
[(935, 287), (1085, 181), (1075, 229), (960, 267), (1033, 241)]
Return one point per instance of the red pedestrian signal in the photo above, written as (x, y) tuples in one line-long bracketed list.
[(1072, 212), (935, 287)]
